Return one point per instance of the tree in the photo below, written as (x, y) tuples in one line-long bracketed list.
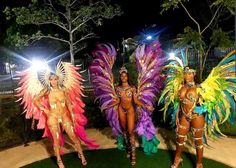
[(71, 19), (198, 37)]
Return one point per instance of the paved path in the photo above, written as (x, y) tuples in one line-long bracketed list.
[(222, 150)]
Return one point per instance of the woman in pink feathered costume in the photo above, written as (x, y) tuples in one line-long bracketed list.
[(55, 100)]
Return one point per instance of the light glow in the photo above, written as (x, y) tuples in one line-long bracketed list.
[(149, 37), (39, 65)]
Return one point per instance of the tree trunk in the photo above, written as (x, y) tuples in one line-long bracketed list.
[(72, 59), (200, 64)]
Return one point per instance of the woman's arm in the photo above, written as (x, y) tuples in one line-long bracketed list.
[(114, 103), (138, 102), (177, 117), (37, 102), (135, 97), (67, 100), (178, 98)]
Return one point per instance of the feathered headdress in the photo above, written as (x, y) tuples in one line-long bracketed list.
[(123, 69), (187, 70)]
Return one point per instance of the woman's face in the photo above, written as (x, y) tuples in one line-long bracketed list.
[(53, 80), (189, 76), (123, 77)]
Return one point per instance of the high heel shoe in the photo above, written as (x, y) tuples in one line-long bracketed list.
[(60, 164), (133, 156), (127, 145), (176, 164), (82, 158), (128, 154), (199, 165)]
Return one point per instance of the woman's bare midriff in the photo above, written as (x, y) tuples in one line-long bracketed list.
[(126, 103)]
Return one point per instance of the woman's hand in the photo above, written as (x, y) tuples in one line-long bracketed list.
[(135, 96), (46, 111), (115, 102), (177, 121), (149, 107)]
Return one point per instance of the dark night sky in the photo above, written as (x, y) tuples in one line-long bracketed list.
[(137, 16)]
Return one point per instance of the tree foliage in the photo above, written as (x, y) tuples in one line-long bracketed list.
[(68, 21), (196, 36), (221, 39)]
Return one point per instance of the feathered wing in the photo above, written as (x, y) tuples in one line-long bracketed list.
[(173, 82), (149, 62), (72, 81), (217, 95), (30, 87), (103, 82)]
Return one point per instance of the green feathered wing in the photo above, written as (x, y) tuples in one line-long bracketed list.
[(217, 95)]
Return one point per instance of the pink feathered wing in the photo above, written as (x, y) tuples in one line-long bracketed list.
[(72, 83), (30, 86)]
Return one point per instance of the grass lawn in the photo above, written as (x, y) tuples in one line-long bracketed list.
[(113, 158)]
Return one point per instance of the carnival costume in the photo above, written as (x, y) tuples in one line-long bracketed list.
[(215, 99), (35, 85), (148, 62)]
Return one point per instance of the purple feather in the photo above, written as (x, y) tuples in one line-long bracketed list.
[(101, 74), (149, 61)]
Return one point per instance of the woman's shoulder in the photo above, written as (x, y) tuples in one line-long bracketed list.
[(44, 91), (65, 90)]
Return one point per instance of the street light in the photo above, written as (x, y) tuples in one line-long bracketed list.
[(149, 37)]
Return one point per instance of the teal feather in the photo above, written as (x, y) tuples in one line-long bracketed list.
[(121, 142), (232, 88), (232, 105), (230, 69), (150, 147), (183, 55), (232, 80), (231, 58)]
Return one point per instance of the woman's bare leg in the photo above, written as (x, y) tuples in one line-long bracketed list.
[(54, 128), (122, 118), (197, 125), (123, 123), (131, 125), (68, 126), (181, 135)]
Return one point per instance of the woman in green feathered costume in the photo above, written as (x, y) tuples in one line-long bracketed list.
[(199, 108)]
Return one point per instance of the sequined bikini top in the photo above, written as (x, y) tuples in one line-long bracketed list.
[(53, 105), (190, 97), (128, 91)]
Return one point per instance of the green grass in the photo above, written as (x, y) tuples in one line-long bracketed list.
[(113, 158)]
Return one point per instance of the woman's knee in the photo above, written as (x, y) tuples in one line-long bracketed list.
[(69, 129), (181, 134), (198, 137)]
